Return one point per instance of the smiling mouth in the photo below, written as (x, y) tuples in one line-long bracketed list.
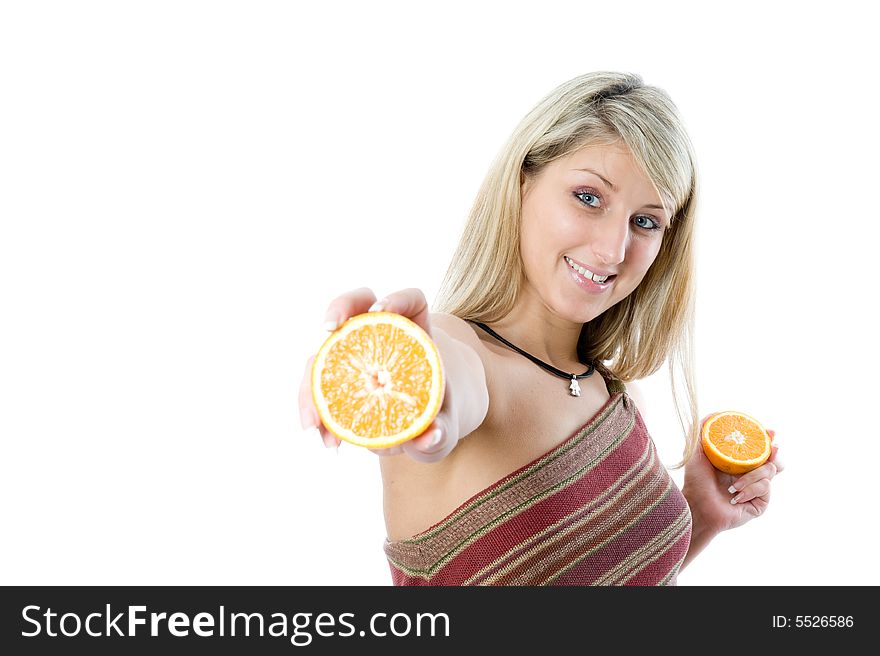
[(586, 273)]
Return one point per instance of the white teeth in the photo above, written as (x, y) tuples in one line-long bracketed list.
[(587, 274)]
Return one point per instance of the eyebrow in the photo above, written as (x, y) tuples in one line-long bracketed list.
[(611, 185)]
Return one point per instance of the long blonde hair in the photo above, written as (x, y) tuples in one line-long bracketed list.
[(633, 338)]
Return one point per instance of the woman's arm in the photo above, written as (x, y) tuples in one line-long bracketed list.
[(466, 401), (466, 396), (467, 383), (719, 501)]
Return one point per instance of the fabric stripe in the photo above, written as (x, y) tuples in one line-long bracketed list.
[(553, 555), (598, 509), (587, 566), (577, 505), (667, 561), (519, 475), (425, 553), (647, 554)]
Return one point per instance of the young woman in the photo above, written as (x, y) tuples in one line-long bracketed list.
[(573, 277)]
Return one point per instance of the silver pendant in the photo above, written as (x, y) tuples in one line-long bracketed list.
[(574, 387)]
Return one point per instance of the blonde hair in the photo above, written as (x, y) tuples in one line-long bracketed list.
[(633, 338)]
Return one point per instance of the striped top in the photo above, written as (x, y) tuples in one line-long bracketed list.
[(598, 509)]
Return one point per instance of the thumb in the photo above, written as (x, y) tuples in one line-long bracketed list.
[(410, 303), (435, 443)]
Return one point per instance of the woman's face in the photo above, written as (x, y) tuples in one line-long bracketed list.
[(611, 227)]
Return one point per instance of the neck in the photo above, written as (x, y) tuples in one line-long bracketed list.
[(554, 342)]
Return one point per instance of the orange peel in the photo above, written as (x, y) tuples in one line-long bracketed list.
[(378, 380)]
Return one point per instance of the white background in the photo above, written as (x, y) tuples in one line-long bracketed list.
[(184, 187)]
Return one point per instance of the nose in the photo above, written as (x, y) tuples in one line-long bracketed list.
[(610, 239)]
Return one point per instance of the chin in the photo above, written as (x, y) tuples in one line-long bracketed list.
[(586, 315)]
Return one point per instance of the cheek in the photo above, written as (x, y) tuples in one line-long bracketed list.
[(546, 235), (642, 256), (640, 259), (643, 263)]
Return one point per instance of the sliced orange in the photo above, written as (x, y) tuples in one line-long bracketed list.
[(734, 442), (378, 380)]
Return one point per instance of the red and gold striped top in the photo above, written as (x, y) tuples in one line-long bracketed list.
[(598, 509)]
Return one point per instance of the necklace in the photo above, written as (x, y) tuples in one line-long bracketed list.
[(575, 389)]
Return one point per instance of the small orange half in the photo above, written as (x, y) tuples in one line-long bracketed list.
[(378, 380), (734, 442)]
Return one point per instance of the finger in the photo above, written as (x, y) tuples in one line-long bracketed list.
[(434, 444), (423, 446), (330, 440), (411, 303), (308, 414), (771, 433), (757, 506), (345, 306), (388, 451), (775, 459), (767, 470), (753, 490)]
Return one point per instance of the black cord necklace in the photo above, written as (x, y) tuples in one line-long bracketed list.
[(574, 388)]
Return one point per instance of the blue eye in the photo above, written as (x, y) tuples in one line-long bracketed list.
[(648, 224), (586, 193), (651, 223)]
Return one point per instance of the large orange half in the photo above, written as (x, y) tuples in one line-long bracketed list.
[(734, 442), (378, 380)]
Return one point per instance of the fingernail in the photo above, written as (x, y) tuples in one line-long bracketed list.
[(330, 323), (435, 437), (731, 489), (734, 500), (378, 306), (330, 441)]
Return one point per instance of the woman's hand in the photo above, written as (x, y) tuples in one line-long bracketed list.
[(441, 435), (707, 490)]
